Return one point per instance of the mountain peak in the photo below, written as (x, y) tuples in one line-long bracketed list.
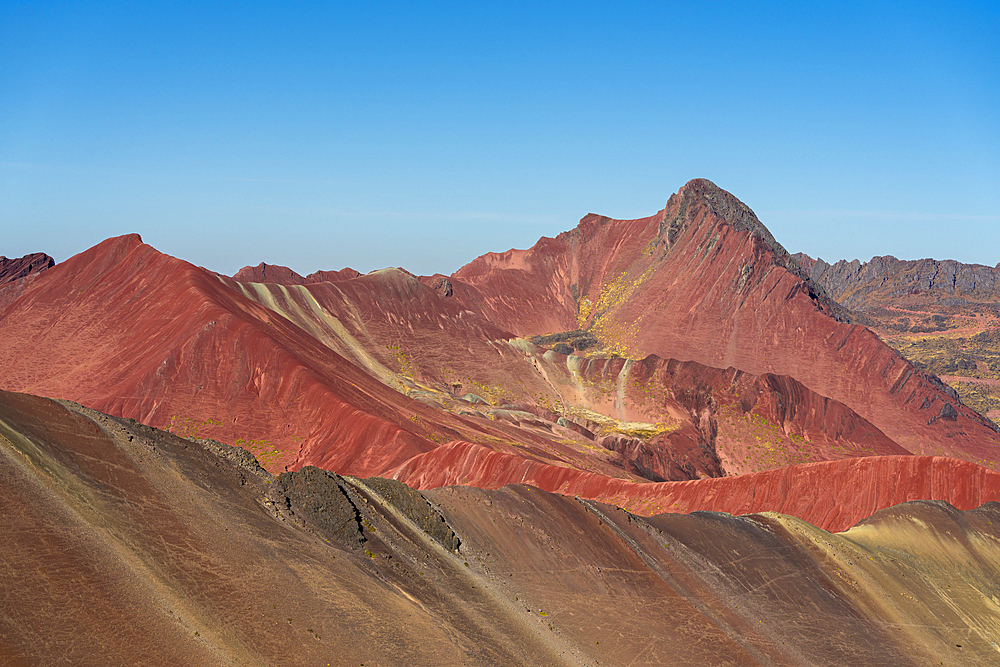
[(15, 268), (702, 195), (269, 273)]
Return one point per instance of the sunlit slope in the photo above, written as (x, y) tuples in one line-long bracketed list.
[(703, 280), (128, 330), (127, 545)]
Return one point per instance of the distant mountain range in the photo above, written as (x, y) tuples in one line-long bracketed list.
[(862, 285)]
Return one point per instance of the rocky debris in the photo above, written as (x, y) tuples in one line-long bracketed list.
[(13, 269), (416, 508), (241, 457), (328, 505), (567, 342), (317, 500)]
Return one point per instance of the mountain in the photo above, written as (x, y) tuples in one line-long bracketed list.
[(618, 362), (282, 275), (704, 281), (15, 273), (128, 545), (885, 281)]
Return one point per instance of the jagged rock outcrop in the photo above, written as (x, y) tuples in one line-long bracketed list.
[(13, 269), (318, 500), (881, 280)]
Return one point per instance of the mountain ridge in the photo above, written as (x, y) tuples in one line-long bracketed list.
[(129, 545), (715, 356)]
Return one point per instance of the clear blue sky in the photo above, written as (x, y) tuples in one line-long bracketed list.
[(380, 134)]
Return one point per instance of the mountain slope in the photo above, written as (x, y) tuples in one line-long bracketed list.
[(391, 374), (136, 333), (127, 545), (703, 280), (362, 374)]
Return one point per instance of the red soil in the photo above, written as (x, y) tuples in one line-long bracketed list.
[(833, 495)]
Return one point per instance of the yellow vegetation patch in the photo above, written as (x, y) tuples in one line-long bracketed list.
[(619, 338), (643, 430)]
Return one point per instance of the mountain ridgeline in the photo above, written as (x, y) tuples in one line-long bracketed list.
[(860, 285), (700, 349), (668, 413)]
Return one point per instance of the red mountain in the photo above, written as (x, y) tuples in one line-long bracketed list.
[(703, 280), (427, 380)]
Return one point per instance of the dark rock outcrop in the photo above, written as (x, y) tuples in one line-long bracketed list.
[(12, 269), (860, 285), (443, 286), (317, 500), (416, 508)]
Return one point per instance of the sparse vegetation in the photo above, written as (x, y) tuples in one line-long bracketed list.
[(980, 397), (976, 356)]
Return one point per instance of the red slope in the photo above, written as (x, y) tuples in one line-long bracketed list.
[(702, 280), (833, 495), (132, 332), (758, 421), (391, 309), (135, 333)]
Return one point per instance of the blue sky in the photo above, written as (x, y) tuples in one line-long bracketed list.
[(381, 134)]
